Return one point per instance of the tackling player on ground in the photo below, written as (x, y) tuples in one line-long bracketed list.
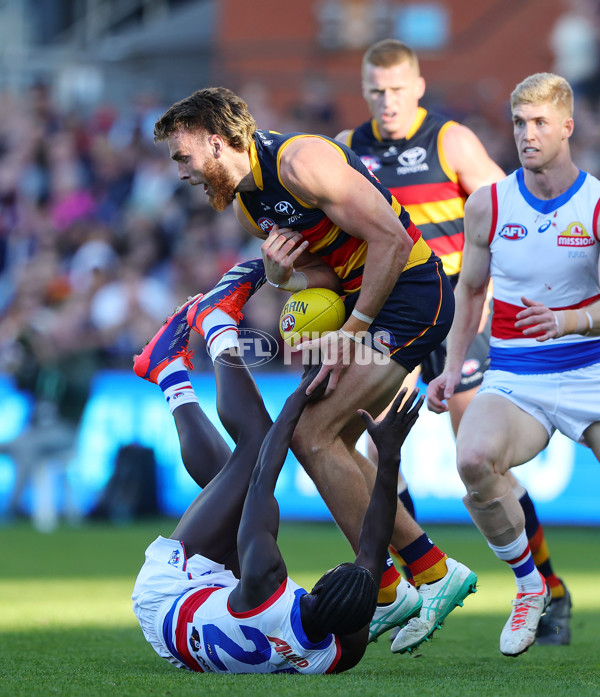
[(352, 236), (215, 596)]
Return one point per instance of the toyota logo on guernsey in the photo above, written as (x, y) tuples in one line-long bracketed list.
[(285, 208), (412, 160), (255, 347), (512, 232), (412, 157)]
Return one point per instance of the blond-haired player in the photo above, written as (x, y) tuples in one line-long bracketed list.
[(537, 235)]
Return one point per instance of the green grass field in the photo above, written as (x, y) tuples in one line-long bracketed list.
[(66, 625)]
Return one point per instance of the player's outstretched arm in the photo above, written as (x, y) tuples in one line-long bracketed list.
[(378, 523), (388, 436), (262, 568)]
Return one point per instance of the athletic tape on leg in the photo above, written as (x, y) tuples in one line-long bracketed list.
[(500, 520)]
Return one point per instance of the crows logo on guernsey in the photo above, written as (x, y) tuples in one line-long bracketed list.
[(285, 208)]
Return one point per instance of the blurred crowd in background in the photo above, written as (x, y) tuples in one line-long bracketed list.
[(99, 241)]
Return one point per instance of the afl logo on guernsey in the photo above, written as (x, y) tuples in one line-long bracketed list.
[(513, 232), (371, 162), (265, 224)]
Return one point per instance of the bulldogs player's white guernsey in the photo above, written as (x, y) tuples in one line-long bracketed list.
[(201, 632), (546, 251)]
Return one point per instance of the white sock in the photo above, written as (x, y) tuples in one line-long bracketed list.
[(175, 383), (518, 556), (175, 366), (220, 332)]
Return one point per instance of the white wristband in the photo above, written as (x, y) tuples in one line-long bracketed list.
[(590, 320), (362, 317), (352, 337), (297, 281)]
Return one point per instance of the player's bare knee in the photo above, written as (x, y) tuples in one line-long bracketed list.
[(474, 467), (307, 448)]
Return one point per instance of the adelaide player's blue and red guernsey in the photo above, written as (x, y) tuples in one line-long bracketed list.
[(418, 175), (271, 203)]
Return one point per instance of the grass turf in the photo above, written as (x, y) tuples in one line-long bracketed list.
[(66, 625)]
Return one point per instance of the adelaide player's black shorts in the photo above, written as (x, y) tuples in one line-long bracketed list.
[(416, 317)]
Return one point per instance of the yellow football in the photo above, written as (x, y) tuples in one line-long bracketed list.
[(309, 313)]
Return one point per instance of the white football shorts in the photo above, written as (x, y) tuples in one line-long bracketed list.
[(567, 401), (165, 575)]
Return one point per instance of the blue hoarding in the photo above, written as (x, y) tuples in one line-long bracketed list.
[(564, 480)]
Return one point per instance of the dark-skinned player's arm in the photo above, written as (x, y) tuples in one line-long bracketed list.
[(262, 568), (378, 524)]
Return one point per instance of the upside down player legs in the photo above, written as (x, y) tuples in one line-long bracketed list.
[(361, 243), (193, 609)]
